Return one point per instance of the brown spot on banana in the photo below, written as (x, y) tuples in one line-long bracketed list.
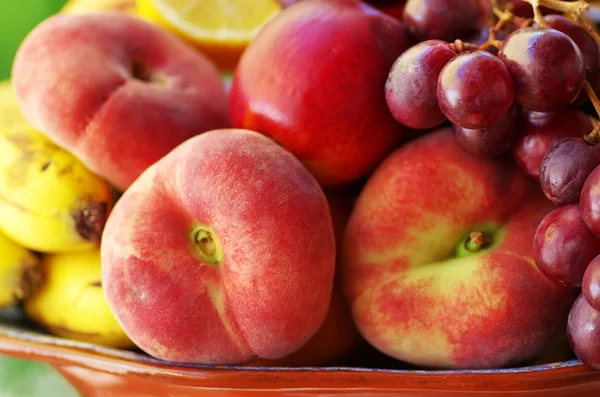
[(90, 221)]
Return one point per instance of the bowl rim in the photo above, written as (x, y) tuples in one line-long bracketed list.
[(61, 352)]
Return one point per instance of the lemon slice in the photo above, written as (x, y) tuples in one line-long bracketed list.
[(221, 28)]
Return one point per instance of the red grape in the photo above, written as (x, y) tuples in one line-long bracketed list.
[(583, 330), (591, 283), (563, 246), (590, 201), (492, 140), (546, 67), (539, 131), (587, 45), (565, 168), (524, 10), (475, 90), (441, 19), (411, 88)]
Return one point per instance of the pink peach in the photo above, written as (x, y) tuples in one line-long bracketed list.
[(221, 252), (116, 91)]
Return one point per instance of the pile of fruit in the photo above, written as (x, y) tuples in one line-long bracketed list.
[(422, 177)]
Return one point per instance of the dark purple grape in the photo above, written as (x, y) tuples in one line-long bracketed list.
[(583, 330), (591, 283), (563, 246), (586, 44), (489, 141), (546, 67), (475, 90), (411, 88), (590, 201), (565, 168), (524, 10), (441, 19), (539, 131)]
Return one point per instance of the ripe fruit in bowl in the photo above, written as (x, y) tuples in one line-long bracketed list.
[(49, 201), (314, 79), (438, 260), (564, 246), (221, 252), (70, 302), (546, 66), (538, 132), (129, 92), (338, 338)]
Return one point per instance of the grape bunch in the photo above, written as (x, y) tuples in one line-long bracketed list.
[(515, 77)]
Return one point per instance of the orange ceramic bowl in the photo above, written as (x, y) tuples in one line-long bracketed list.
[(99, 371)]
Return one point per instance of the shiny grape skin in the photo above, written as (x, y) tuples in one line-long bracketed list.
[(563, 246), (591, 283), (565, 168), (546, 66), (441, 19), (590, 201), (475, 90), (587, 45), (583, 330), (411, 88), (489, 141), (538, 131)]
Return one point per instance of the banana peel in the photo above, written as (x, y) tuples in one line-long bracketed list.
[(10, 113), (49, 201), (20, 273), (70, 301)]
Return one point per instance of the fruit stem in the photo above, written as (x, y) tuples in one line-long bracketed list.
[(589, 28), (573, 7), (205, 242), (503, 18), (206, 245), (538, 17), (477, 241), (459, 46), (593, 137), (592, 95)]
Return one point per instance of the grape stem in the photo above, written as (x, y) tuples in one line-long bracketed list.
[(593, 137), (587, 26), (575, 8), (459, 46), (503, 18)]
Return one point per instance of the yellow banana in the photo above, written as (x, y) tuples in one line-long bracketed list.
[(82, 6), (19, 272), (70, 302), (10, 114), (49, 201)]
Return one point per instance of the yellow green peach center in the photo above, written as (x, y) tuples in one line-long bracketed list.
[(205, 245), (476, 241)]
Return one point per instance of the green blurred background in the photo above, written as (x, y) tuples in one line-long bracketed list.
[(20, 378), (17, 18)]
